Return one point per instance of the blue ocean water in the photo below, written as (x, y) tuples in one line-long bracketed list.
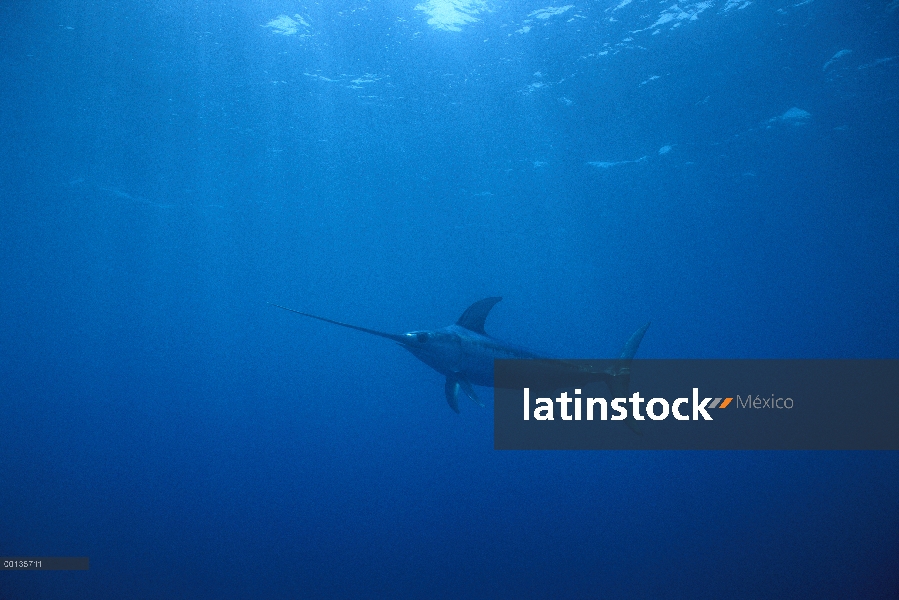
[(728, 169)]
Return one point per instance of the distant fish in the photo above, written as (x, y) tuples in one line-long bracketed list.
[(609, 165), (835, 58), (285, 25), (794, 116)]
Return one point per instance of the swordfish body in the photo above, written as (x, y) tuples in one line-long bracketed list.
[(464, 353)]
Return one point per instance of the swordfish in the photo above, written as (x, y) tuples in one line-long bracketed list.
[(464, 353)]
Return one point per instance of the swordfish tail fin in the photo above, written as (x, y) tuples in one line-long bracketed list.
[(620, 381), (621, 374), (630, 348)]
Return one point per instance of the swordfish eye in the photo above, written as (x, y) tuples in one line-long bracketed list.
[(422, 337)]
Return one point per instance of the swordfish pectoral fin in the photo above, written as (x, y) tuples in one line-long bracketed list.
[(451, 389), (456, 386), (469, 391)]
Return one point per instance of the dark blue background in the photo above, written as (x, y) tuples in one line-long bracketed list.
[(167, 168)]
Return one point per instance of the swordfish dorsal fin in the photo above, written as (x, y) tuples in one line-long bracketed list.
[(474, 316)]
